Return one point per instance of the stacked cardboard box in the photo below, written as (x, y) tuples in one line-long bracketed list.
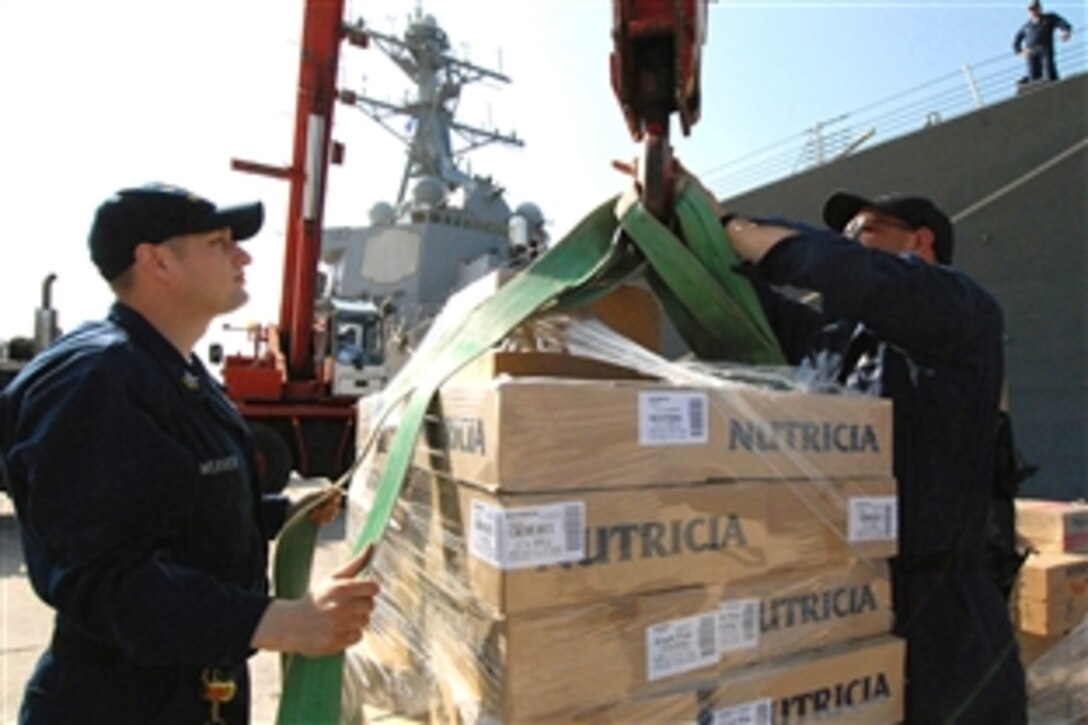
[(605, 550), (547, 434), (563, 662), (858, 682), (1053, 526), (1051, 597)]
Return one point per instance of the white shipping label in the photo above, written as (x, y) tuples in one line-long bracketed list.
[(485, 533), (873, 518), (532, 536), (672, 418), (738, 625), (681, 645), (757, 712)]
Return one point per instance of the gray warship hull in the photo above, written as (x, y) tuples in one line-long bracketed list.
[(1012, 176)]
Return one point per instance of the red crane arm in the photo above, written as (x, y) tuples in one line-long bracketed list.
[(323, 29)]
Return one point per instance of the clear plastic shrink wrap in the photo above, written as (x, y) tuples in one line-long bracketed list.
[(591, 532)]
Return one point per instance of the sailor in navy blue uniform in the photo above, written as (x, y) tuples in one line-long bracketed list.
[(134, 484), (897, 322), (1035, 41)]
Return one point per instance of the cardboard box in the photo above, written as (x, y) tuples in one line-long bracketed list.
[(1051, 617), (1048, 576), (631, 310), (519, 552), (659, 709), (557, 662), (860, 682), (514, 669), (454, 707), (800, 611), (496, 363), (1053, 526), (1033, 646), (1052, 594), (534, 434)]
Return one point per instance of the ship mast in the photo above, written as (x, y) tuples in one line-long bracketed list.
[(438, 77)]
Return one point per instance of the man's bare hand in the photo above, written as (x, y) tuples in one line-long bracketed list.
[(682, 178), (330, 618)]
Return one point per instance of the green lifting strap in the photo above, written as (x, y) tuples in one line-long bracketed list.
[(714, 305)]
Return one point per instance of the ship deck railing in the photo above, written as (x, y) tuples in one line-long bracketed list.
[(970, 88)]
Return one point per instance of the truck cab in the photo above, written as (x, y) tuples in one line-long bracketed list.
[(357, 344)]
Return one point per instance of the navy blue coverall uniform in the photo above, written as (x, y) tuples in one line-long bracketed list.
[(1038, 38), (142, 525), (930, 339)]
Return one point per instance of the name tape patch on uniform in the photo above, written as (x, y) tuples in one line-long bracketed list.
[(219, 465)]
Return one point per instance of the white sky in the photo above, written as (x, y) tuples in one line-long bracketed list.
[(96, 95)]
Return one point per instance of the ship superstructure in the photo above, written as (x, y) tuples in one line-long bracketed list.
[(447, 226)]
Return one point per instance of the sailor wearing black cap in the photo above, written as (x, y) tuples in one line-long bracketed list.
[(897, 321), (875, 223), (134, 483)]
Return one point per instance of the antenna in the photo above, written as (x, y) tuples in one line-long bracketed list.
[(438, 77)]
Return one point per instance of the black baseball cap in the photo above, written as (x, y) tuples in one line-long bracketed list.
[(156, 212), (914, 211)]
